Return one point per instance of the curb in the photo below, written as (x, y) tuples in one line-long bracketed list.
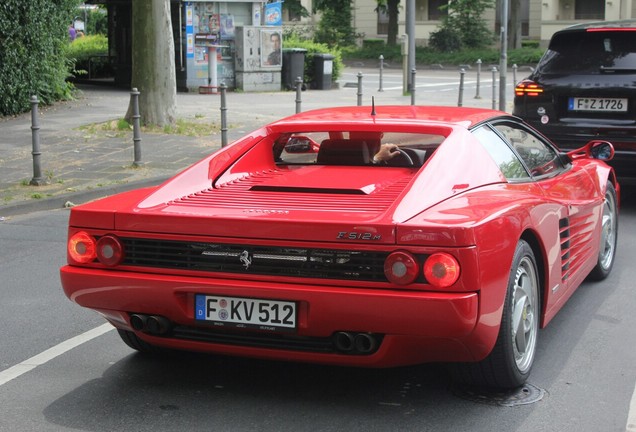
[(59, 202)]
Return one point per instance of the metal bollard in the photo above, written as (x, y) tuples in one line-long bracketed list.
[(413, 86), (477, 96), (299, 88), (37, 179), (134, 95), (494, 88), (514, 74), (460, 101), (380, 89), (223, 89), (359, 88)]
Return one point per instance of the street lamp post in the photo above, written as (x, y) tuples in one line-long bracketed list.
[(503, 66)]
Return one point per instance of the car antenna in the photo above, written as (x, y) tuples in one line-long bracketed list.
[(372, 105)]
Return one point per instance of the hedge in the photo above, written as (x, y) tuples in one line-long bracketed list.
[(34, 37)]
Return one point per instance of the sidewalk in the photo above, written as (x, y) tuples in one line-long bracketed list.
[(80, 166)]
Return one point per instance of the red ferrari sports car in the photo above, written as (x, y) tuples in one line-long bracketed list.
[(299, 243)]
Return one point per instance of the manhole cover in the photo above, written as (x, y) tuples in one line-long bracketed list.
[(524, 395)]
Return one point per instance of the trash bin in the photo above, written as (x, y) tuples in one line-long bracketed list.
[(293, 67), (323, 71)]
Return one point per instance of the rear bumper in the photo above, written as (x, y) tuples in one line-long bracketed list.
[(415, 327)]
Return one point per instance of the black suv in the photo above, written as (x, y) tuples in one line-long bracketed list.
[(584, 88)]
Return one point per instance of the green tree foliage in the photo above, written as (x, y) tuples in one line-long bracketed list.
[(96, 20), (465, 22), (295, 8), (33, 37), (334, 28)]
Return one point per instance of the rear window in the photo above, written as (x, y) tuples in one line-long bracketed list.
[(354, 148), (590, 52)]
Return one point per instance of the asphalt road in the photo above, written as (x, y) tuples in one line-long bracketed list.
[(62, 369)]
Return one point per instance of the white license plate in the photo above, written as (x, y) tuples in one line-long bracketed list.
[(598, 104), (245, 312)]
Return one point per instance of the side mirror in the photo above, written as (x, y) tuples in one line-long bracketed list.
[(596, 149), (602, 150)]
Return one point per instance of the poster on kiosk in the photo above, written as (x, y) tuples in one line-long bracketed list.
[(258, 58)]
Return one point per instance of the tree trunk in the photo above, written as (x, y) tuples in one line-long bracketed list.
[(153, 69), (392, 31)]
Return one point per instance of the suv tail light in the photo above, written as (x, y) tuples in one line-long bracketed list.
[(528, 88)]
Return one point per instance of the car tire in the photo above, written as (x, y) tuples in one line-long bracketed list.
[(133, 341), (608, 238), (510, 362)]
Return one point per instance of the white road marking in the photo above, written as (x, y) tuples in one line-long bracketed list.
[(631, 417), (48, 355)]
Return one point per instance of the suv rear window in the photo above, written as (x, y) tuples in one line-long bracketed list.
[(590, 52)]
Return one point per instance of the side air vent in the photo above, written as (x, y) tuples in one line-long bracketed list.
[(575, 234)]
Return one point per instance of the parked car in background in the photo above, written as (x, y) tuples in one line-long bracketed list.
[(296, 243), (584, 88)]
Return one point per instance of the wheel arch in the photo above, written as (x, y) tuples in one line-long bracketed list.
[(540, 258)]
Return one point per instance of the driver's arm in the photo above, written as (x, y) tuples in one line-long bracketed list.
[(387, 151)]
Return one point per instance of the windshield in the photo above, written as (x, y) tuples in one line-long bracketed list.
[(590, 52)]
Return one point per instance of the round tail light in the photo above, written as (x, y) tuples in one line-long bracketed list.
[(401, 268), (81, 247), (110, 251), (441, 270)]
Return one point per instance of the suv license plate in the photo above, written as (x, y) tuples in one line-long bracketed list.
[(597, 104), (245, 312)]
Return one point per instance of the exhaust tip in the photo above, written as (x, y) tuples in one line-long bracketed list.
[(138, 322), (157, 325), (356, 343), (344, 341), (365, 343)]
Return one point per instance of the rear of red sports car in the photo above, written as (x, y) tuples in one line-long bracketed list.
[(271, 249)]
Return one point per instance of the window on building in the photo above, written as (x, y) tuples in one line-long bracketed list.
[(434, 12), (383, 21), (589, 9)]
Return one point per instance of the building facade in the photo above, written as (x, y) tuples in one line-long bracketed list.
[(539, 19)]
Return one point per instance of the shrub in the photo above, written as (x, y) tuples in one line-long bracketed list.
[(445, 40), (89, 51), (428, 56), (32, 60), (530, 43), (373, 44), (373, 51), (316, 48)]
